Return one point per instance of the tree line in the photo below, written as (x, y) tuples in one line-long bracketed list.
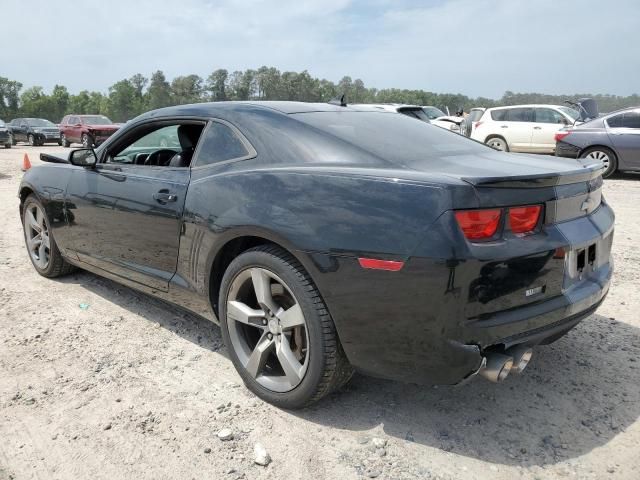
[(132, 96)]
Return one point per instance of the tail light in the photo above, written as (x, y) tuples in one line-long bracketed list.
[(560, 135), (477, 124), (479, 224), (524, 219)]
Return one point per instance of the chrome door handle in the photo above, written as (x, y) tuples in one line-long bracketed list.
[(537, 128), (504, 126)]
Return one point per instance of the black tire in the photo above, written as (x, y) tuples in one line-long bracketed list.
[(613, 159), (495, 139), (64, 142), (32, 140), (12, 139), (328, 367), (7, 145), (87, 141), (57, 266)]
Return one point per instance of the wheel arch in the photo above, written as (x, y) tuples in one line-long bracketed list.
[(495, 135), (598, 145), (233, 248), (25, 191)]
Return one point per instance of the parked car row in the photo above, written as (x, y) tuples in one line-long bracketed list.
[(89, 130)]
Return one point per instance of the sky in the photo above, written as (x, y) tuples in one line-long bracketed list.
[(473, 47)]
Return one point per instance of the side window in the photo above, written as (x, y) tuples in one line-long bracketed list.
[(499, 115), (220, 143), (631, 119), (150, 145), (73, 121), (615, 121), (546, 115), (519, 115)]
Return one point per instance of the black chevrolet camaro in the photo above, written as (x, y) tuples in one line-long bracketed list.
[(324, 239)]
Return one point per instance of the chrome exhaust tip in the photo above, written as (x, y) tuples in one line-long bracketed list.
[(521, 355), (497, 368)]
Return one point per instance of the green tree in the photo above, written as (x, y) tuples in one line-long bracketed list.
[(217, 85), (122, 101), (186, 89), (158, 94), (9, 98)]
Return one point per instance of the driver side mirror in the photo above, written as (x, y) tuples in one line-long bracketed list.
[(83, 157)]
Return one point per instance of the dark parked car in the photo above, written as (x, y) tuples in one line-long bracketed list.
[(35, 131), (325, 238), (613, 139), (5, 136), (89, 130)]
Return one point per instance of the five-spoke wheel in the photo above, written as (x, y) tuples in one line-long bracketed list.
[(277, 329)]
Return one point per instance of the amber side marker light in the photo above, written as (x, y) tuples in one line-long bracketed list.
[(375, 264)]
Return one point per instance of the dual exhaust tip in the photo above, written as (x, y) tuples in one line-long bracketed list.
[(498, 366)]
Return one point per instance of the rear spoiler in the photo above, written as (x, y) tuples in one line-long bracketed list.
[(45, 157), (588, 172)]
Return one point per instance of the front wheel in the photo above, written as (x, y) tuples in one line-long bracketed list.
[(7, 145), (279, 334), (498, 143), (42, 248), (604, 155), (63, 140), (12, 139), (87, 141)]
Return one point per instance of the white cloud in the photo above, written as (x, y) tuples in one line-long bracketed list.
[(477, 47)]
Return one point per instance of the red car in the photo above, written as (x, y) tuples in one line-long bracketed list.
[(89, 130)]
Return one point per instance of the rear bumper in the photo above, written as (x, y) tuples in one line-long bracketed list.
[(428, 323)]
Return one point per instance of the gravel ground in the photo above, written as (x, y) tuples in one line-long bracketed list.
[(130, 387)]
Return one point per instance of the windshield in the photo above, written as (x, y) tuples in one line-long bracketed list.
[(475, 115), (433, 112), (39, 122), (573, 113), (96, 120), (393, 138)]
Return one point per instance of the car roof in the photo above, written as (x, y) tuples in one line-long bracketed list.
[(284, 107), (530, 105)]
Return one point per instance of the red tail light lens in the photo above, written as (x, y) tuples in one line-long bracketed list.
[(479, 224), (560, 135), (524, 219), (477, 124)]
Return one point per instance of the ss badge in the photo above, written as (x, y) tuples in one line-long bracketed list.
[(533, 291)]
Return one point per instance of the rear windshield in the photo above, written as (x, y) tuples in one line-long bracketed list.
[(415, 113), (395, 138), (475, 115), (433, 112), (96, 120)]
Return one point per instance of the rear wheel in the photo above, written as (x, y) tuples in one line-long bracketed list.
[(7, 145), (42, 248), (278, 331), (604, 155), (498, 143), (32, 140)]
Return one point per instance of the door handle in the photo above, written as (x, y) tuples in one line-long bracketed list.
[(164, 197), (537, 128), (504, 126)]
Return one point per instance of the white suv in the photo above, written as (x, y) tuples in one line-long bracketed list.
[(523, 128)]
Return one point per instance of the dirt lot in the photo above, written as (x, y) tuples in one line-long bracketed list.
[(130, 387)]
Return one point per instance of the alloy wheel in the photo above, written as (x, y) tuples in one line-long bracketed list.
[(601, 157), (37, 235), (267, 329)]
